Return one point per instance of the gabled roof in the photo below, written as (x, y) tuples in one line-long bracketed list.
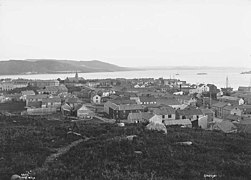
[(147, 99), (189, 111), (123, 101), (177, 122), (54, 99), (167, 110), (168, 101), (140, 116), (206, 111), (230, 98), (37, 96), (30, 92), (229, 108), (130, 107), (66, 107), (233, 117), (220, 104), (225, 126), (73, 100)]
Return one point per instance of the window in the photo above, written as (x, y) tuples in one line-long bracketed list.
[(97, 97), (169, 115), (163, 116)]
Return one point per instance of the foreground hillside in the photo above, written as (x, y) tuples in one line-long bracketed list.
[(55, 66), (108, 154), (154, 155)]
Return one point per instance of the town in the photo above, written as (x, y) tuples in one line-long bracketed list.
[(147, 124), (157, 101)]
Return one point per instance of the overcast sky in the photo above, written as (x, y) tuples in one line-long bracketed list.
[(128, 32)]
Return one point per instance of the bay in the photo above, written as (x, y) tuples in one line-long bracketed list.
[(213, 76)]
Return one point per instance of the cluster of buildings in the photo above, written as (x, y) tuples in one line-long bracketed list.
[(145, 100)]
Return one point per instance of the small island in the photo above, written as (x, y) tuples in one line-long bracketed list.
[(201, 73), (247, 72)]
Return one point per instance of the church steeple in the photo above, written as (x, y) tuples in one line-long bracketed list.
[(76, 75)]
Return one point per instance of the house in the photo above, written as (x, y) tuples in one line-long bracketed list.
[(96, 99), (244, 89), (246, 109), (201, 88), (147, 100), (231, 100), (66, 109), (135, 98), (191, 113), (120, 109), (164, 112), (210, 115), (93, 84), (6, 86), (44, 83), (203, 122), (85, 113), (173, 102), (2, 98), (35, 100), (73, 101), (24, 94), (229, 109), (218, 109), (54, 102), (54, 90), (187, 100), (178, 122), (225, 126), (141, 117), (20, 83)]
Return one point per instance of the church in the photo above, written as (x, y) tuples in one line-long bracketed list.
[(75, 79)]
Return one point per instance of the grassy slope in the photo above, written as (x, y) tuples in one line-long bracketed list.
[(26, 142), (229, 156)]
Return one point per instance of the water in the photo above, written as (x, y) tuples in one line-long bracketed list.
[(213, 76)]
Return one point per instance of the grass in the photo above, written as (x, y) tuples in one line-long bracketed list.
[(212, 153), (27, 142)]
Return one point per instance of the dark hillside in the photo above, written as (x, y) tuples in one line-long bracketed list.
[(153, 155)]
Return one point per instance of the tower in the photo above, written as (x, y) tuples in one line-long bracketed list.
[(76, 75)]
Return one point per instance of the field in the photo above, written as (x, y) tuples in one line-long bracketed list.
[(108, 154)]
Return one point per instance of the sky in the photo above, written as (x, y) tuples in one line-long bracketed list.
[(128, 32)]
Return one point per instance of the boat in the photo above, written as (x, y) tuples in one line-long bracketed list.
[(201, 73)]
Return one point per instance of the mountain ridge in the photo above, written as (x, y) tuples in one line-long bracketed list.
[(51, 66)]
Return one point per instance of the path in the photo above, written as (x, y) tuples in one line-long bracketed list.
[(54, 156)]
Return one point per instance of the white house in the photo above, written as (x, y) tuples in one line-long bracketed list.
[(96, 99), (84, 112), (26, 93)]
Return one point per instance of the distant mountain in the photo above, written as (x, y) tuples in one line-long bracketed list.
[(49, 66)]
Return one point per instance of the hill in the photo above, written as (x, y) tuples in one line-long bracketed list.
[(27, 142), (47, 66)]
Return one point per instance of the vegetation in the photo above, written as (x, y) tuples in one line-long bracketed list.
[(153, 155), (26, 142)]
